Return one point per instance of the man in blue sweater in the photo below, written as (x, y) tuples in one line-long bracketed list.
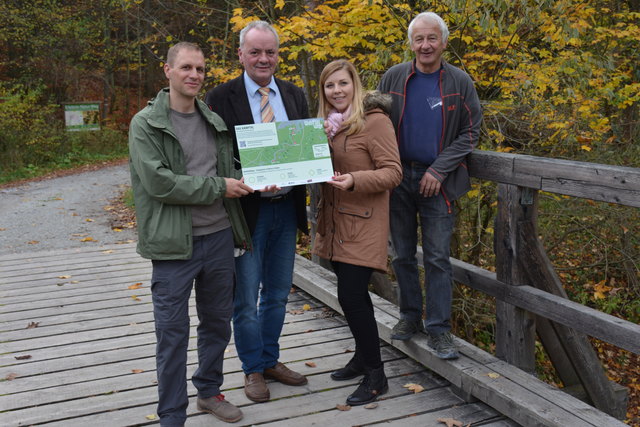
[(437, 115)]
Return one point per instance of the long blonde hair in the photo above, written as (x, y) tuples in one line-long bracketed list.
[(355, 122)]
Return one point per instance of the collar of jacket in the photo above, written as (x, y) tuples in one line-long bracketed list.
[(159, 112)]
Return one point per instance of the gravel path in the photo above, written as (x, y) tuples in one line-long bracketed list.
[(65, 212)]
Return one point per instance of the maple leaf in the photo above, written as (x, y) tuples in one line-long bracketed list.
[(341, 407), (450, 422), (310, 364)]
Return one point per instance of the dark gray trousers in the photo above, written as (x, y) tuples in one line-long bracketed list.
[(211, 268)]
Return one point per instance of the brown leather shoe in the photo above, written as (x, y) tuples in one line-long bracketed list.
[(256, 388), (284, 375)]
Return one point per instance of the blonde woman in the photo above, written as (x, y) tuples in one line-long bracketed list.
[(353, 214)]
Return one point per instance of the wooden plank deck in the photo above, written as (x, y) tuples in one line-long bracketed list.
[(77, 349)]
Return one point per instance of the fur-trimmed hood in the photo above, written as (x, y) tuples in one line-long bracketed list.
[(376, 99)]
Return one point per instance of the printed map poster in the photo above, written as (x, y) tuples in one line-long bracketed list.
[(284, 153)]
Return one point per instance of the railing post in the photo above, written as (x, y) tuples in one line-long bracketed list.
[(515, 327)]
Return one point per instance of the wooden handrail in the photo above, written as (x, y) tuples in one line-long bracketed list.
[(613, 184)]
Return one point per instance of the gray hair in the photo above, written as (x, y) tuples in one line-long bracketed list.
[(430, 16), (259, 25), (176, 48)]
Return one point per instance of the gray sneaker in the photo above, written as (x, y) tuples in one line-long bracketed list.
[(404, 329), (443, 345), (219, 407)]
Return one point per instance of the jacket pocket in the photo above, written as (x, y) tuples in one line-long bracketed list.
[(353, 221), (321, 223)]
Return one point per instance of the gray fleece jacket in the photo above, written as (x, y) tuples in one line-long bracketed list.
[(461, 118)]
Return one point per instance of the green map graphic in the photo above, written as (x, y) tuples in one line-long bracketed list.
[(296, 141)]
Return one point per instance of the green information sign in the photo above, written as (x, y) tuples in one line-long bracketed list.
[(82, 116)]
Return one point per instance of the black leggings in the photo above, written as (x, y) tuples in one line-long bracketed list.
[(353, 296)]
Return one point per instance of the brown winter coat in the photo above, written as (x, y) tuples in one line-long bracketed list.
[(353, 226)]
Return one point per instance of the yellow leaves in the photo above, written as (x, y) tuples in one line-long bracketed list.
[(151, 417), (279, 4), (493, 375), (135, 286), (600, 289), (64, 277), (585, 148), (306, 307)]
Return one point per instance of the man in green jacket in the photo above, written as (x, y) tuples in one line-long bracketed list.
[(189, 219)]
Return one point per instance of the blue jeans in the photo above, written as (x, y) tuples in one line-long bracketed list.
[(264, 274), (437, 220), (211, 268)]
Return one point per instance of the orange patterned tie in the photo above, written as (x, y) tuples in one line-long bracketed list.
[(266, 112)]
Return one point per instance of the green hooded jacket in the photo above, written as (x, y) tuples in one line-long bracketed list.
[(162, 190)]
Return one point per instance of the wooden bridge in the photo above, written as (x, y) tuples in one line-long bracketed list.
[(76, 329)]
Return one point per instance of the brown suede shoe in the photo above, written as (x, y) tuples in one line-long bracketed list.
[(220, 408), (256, 388), (284, 375)]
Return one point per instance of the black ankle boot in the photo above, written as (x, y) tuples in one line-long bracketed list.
[(351, 370), (372, 385)]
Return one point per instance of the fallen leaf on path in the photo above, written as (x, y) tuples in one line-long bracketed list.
[(371, 406), (12, 376), (64, 277), (340, 407), (108, 251), (117, 230), (135, 297), (296, 311), (88, 239), (151, 417), (32, 325), (493, 375), (25, 357), (450, 422), (135, 286), (306, 307), (89, 220), (416, 388), (2, 229), (310, 364), (32, 242), (137, 371)]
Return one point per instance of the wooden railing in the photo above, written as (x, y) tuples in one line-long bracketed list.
[(530, 298)]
